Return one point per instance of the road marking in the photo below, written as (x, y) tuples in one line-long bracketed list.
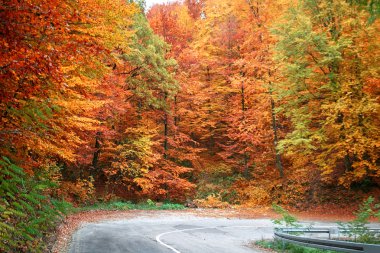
[(158, 237)]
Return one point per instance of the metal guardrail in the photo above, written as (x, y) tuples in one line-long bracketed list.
[(327, 244), (369, 230), (329, 231)]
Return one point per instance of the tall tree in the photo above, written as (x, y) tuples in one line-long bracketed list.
[(144, 164), (325, 63)]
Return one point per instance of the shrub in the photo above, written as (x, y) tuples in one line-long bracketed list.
[(81, 191), (357, 228), (252, 195), (286, 218), (278, 246), (121, 205), (212, 201), (27, 214)]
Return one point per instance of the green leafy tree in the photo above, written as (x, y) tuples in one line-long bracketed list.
[(326, 68), (150, 76), (358, 228)]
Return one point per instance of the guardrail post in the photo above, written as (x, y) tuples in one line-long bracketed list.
[(333, 231)]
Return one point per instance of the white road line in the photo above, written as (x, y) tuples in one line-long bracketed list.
[(158, 237)]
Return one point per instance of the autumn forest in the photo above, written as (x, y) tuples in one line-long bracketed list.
[(245, 102)]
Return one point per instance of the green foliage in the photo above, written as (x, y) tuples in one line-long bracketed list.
[(150, 203), (152, 75), (357, 229), (286, 218), (27, 215), (136, 155), (372, 6), (278, 246), (34, 114), (113, 205), (324, 59), (217, 179), (377, 214), (120, 205), (171, 206)]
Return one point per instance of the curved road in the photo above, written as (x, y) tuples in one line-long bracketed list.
[(168, 234)]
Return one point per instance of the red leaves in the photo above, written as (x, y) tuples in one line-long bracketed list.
[(65, 99), (49, 69)]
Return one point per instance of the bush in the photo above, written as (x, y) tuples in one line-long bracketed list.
[(80, 191), (217, 179), (357, 228), (212, 201), (278, 246), (27, 214), (121, 205), (253, 195), (286, 219)]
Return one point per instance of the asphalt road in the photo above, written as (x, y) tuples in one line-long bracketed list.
[(174, 233)]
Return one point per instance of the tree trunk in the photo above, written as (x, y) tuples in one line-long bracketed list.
[(139, 110), (176, 118), (246, 167), (166, 128), (98, 145), (242, 99), (165, 135), (275, 138)]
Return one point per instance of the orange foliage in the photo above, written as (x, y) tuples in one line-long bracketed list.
[(202, 98)]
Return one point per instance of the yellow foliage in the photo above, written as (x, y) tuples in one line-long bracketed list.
[(212, 201), (253, 195), (81, 191)]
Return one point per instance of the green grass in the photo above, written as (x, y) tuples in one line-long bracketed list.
[(121, 205), (289, 248)]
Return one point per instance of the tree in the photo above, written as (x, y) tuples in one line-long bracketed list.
[(143, 164), (325, 65)]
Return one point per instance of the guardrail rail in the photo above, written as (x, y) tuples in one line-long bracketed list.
[(327, 244)]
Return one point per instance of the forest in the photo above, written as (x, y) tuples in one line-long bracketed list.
[(244, 102)]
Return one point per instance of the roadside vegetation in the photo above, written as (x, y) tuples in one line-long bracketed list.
[(122, 205), (355, 230), (27, 213), (278, 246)]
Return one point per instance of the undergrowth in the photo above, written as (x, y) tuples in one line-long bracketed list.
[(278, 246), (127, 205), (357, 229), (286, 218), (27, 213)]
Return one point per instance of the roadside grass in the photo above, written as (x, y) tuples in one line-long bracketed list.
[(128, 205), (277, 246)]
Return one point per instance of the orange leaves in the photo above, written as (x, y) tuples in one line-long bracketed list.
[(173, 23), (252, 194), (147, 185), (211, 201), (90, 86), (82, 191), (50, 69)]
